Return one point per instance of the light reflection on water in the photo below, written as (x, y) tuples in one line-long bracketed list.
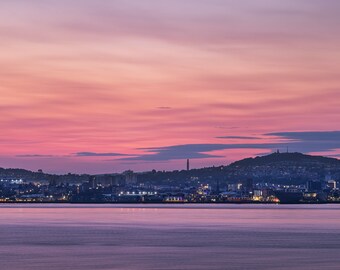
[(169, 237)]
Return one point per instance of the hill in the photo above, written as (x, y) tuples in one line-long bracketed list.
[(286, 158), (290, 168), (281, 168), (284, 168)]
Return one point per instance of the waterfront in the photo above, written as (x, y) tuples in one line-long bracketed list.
[(169, 237)]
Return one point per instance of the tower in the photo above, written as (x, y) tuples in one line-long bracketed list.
[(93, 181), (188, 164), (218, 186)]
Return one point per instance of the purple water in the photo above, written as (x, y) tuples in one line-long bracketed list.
[(89, 237)]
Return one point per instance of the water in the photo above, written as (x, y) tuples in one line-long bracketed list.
[(90, 237)]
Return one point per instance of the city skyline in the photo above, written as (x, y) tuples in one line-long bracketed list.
[(104, 87)]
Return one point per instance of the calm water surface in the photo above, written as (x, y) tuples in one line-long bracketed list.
[(90, 237)]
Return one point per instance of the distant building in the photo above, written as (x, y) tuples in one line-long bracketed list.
[(331, 184), (249, 185), (130, 178), (314, 186), (234, 187), (244, 186), (104, 180), (188, 165), (267, 192)]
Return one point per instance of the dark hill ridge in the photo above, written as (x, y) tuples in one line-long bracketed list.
[(287, 168), (288, 158), (281, 168)]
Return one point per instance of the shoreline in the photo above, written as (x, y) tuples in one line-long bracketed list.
[(177, 203)]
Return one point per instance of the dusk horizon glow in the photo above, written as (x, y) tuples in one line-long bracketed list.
[(89, 87)]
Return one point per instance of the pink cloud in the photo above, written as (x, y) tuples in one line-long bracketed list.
[(85, 76)]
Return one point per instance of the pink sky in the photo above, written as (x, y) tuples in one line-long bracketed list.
[(113, 77)]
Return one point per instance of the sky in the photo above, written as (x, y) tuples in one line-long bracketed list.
[(104, 86)]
